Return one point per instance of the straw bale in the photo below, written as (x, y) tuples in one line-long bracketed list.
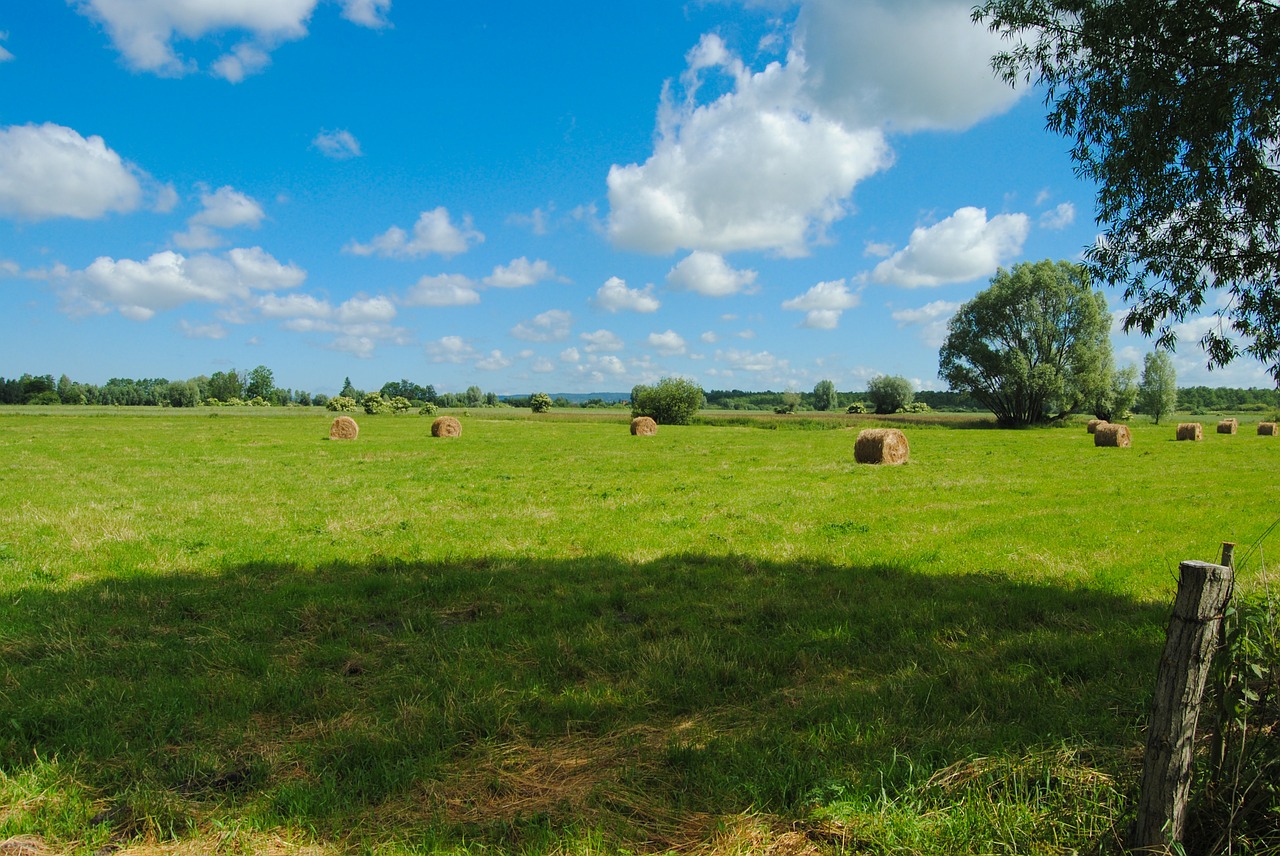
[(446, 426), (1112, 435), (1268, 429), (1228, 426), (643, 426), (1190, 431), (1092, 426), (881, 446), (344, 428)]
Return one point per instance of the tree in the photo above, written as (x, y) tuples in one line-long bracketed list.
[(889, 393), (349, 391), (260, 383), (1158, 391), (225, 386), (1174, 109), (1036, 342), (825, 397), (474, 396), (1117, 398), (540, 402), (671, 401)]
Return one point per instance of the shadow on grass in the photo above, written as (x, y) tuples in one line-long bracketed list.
[(501, 699)]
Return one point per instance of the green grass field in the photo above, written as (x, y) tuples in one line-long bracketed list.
[(221, 631)]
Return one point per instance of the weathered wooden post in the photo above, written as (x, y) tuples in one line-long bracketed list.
[(1203, 592)]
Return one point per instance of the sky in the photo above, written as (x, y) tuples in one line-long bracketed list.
[(564, 196)]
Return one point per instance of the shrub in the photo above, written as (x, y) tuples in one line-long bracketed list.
[(540, 402), (342, 404), (856, 407), (917, 407), (428, 409), (671, 401), (373, 403), (399, 404), (889, 393)]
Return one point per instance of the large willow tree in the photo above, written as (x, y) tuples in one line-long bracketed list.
[(1174, 110)]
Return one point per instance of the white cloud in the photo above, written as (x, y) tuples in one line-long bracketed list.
[(493, 362), (668, 344), (225, 208), (876, 249), (293, 306), (139, 289), (450, 349), (761, 362), (607, 365), (614, 296), (709, 337), (542, 365), (931, 318), (570, 355), (202, 331), (49, 171), (709, 274), (601, 340), (520, 273), (433, 233), (691, 192), (824, 304), (339, 145), (962, 247), (903, 65), (1060, 217), (364, 310), (549, 326), (145, 30), (443, 290), (5, 56)]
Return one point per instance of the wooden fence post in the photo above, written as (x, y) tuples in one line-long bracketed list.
[(1203, 592)]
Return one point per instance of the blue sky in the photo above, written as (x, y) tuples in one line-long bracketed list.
[(562, 196)]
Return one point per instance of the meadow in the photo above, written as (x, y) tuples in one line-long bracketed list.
[(222, 632)]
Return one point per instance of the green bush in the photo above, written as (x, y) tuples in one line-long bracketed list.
[(889, 393), (671, 401), (856, 407), (400, 404), (540, 402), (373, 403), (917, 407), (342, 404), (428, 409)]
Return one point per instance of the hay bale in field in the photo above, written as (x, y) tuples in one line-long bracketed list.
[(1268, 429), (344, 428), (1092, 425), (1228, 426), (446, 426), (881, 446), (643, 426), (1112, 435), (1190, 431)]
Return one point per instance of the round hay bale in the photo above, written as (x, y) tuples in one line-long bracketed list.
[(643, 426), (1268, 429), (446, 426), (1112, 435), (1092, 426), (344, 428), (881, 446), (1228, 426), (1190, 431)]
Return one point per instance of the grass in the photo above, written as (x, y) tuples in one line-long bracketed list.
[(220, 631)]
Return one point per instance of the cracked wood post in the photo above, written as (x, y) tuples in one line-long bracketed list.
[(1203, 591)]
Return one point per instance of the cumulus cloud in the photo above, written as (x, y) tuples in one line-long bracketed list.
[(140, 289), (761, 362), (1060, 217), (520, 273), (202, 331), (962, 247), (450, 349), (931, 318), (339, 145), (49, 171), (614, 296), (224, 208), (443, 290), (5, 56), (824, 304), (600, 340), (550, 326), (144, 31), (433, 233), (668, 344), (493, 361), (709, 274), (690, 193), (908, 66)]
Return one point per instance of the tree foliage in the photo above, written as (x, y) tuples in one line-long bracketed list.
[(1158, 390), (1032, 346), (1174, 109), (825, 396), (889, 393), (671, 401), (540, 402)]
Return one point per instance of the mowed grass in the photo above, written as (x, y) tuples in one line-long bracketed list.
[(222, 631)]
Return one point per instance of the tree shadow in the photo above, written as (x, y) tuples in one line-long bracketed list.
[(499, 698)]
